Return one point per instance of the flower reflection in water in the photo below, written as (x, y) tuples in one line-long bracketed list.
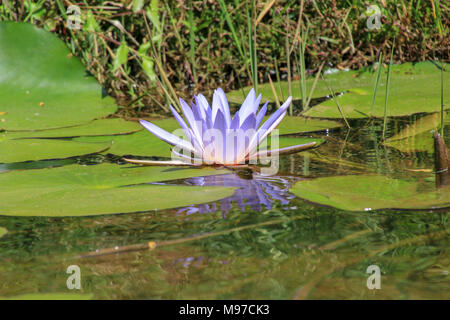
[(254, 191)]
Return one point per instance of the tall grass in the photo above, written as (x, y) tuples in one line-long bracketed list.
[(302, 68), (251, 25), (336, 102), (377, 81), (442, 98)]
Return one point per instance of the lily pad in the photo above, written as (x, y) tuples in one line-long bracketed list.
[(100, 127), (284, 142), (371, 192), (3, 231), (413, 89), (42, 149), (51, 296), (341, 80), (301, 125), (141, 143), (76, 190), (42, 85)]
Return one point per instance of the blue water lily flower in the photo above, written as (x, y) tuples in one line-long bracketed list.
[(214, 137)]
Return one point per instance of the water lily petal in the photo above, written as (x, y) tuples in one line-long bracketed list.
[(249, 131), (216, 105), (257, 102), (235, 122), (196, 126), (203, 103), (197, 144), (248, 105), (270, 124), (249, 123), (225, 106), (166, 136), (220, 124), (261, 114)]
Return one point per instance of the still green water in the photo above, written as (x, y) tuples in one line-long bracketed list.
[(262, 243)]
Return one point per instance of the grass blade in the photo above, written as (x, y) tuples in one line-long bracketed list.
[(274, 92), (337, 103), (318, 73), (442, 98), (388, 80), (377, 81)]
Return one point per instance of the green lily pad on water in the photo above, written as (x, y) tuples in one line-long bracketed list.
[(51, 296), (301, 125), (42, 86), (76, 190), (414, 88), (141, 143), (94, 128), (371, 192), (3, 231), (42, 149)]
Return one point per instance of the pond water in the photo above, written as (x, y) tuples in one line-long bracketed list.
[(263, 242)]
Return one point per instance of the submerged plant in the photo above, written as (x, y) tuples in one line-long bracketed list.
[(215, 138)]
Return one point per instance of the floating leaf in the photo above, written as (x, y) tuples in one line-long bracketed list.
[(371, 192), (54, 76), (300, 125), (100, 127), (51, 296), (41, 149), (414, 89), (76, 190)]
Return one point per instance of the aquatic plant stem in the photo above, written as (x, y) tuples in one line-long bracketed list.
[(388, 80), (288, 62), (377, 81), (335, 100), (442, 98), (274, 92)]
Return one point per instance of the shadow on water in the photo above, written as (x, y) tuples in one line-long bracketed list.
[(260, 243)]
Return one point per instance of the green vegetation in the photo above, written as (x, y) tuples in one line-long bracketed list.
[(76, 190), (371, 192), (147, 52)]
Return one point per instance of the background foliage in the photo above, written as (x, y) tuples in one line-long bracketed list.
[(147, 52)]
